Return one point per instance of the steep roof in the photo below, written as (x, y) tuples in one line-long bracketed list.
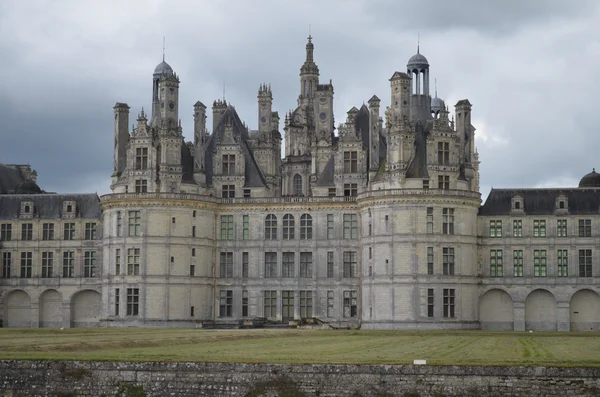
[(50, 206), (187, 163), (418, 166), (13, 179), (326, 177)]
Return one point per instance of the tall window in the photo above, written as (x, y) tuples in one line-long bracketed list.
[(585, 263), (539, 263), (229, 164), (350, 303), (118, 261), (270, 264), (306, 227), (350, 265), (141, 186), (495, 228), (89, 264), (448, 220), (69, 231), (271, 227), (350, 162), (330, 304), (134, 223), (585, 228), (6, 264), (429, 220), (561, 228), (539, 228), (245, 264), (117, 300), (496, 263), (350, 226), (245, 303), (429, 260), (119, 224), (306, 304), (306, 264), (350, 189), (444, 182), (270, 304), (133, 301), (27, 231), (225, 303), (227, 227), (141, 158), (68, 264), (245, 227), (430, 302), (448, 261), (226, 265), (48, 231), (90, 230), (297, 185), (518, 263), (329, 264), (449, 296), (330, 227), (562, 259), (443, 153), (517, 228), (228, 191), (287, 304), (287, 265), (6, 232), (289, 226), (133, 261), (26, 264)]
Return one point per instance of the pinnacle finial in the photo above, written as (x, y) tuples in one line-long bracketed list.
[(309, 34), (435, 84), (163, 48)]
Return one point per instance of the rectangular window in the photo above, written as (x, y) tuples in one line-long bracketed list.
[(306, 227), (117, 300), (228, 164), (133, 262), (26, 264), (69, 231), (448, 261), (135, 228), (350, 265), (350, 162), (226, 265), (48, 231), (496, 269), (329, 264), (330, 227), (585, 228), (245, 227), (287, 265), (350, 303), (193, 231), (287, 305), (430, 302), (306, 264), (118, 261), (562, 259), (443, 182), (68, 264), (539, 263), (192, 270), (449, 296), (518, 263), (191, 311), (330, 305), (539, 228), (270, 304), (6, 232), (225, 303), (331, 192), (245, 303), (27, 231), (271, 227), (90, 231), (350, 226), (585, 263), (47, 264), (141, 186), (448, 221), (119, 224), (245, 264), (289, 227), (6, 264), (89, 264), (306, 304), (443, 153), (247, 193), (517, 228), (350, 189), (133, 301), (429, 220), (561, 228), (227, 227), (429, 260), (228, 191), (270, 264), (141, 158), (495, 229)]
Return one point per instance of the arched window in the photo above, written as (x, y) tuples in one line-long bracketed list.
[(288, 227), (271, 227), (297, 185), (306, 227)]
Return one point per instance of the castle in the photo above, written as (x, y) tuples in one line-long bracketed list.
[(379, 225)]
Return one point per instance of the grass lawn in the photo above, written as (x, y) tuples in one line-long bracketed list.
[(303, 346)]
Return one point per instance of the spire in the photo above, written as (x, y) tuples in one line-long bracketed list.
[(309, 50), (418, 41), (163, 48), (435, 84)]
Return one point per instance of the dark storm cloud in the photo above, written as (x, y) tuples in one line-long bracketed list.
[(527, 66)]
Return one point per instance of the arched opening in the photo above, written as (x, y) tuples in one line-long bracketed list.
[(540, 311), (496, 311), (297, 185), (50, 309), (18, 310), (585, 311), (85, 309)]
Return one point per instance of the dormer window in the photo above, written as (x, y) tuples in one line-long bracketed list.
[(27, 209), (562, 204), (69, 209), (516, 205), (228, 164)]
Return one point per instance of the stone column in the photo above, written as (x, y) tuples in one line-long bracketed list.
[(519, 316)]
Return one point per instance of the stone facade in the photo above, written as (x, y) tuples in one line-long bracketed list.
[(378, 225)]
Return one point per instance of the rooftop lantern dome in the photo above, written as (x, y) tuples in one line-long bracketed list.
[(163, 68), (590, 180)]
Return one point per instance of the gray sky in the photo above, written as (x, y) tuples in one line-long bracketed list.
[(528, 67)]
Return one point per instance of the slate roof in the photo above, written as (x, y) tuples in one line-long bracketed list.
[(326, 177), (50, 206), (187, 164), (580, 201), (418, 166), (253, 175), (13, 180)]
